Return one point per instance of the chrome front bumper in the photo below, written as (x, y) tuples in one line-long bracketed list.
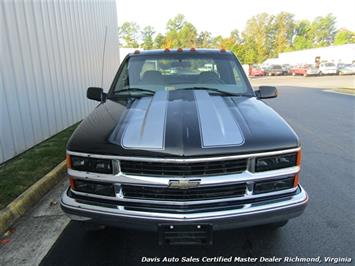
[(261, 212)]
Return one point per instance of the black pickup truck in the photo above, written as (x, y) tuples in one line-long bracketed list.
[(181, 144)]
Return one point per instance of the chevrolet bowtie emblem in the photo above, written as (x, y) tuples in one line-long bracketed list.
[(184, 184)]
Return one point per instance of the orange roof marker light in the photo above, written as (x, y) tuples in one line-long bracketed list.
[(222, 50), (166, 50), (137, 52), (193, 49), (180, 50)]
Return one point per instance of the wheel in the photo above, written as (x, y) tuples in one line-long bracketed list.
[(320, 73), (305, 75), (293, 74)]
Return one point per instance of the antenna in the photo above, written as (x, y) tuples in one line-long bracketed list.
[(103, 58)]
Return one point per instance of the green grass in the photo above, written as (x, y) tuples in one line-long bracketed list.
[(19, 173)]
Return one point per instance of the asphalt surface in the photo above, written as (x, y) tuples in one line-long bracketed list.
[(325, 123)]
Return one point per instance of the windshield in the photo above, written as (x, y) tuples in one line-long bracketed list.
[(181, 71)]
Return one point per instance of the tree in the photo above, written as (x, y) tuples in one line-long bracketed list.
[(180, 33), (147, 36), (176, 23), (187, 36), (283, 30), (302, 38), (258, 38), (129, 33), (265, 36), (323, 30), (159, 41), (344, 36), (204, 39)]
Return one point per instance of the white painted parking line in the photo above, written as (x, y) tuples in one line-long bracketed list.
[(337, 92)]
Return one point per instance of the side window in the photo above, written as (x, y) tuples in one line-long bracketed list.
[(123, 79), (236, 73)]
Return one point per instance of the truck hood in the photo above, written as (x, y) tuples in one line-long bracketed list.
[(182, 124)]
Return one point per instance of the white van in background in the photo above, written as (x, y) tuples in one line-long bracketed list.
[(328, 69)]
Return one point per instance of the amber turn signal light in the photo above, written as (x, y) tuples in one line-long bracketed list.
[(68, 160), (299, 157), (298, 162), (71, 183)]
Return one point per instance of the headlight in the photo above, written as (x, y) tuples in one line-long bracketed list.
[(275, 162), (86, 164)]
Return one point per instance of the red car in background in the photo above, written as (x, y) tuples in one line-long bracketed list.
[(256, 71), (304, 70)]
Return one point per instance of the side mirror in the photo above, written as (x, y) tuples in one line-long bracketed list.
[(266, 92), (95, 93)]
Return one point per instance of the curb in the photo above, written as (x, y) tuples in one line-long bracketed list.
[(32, 195)]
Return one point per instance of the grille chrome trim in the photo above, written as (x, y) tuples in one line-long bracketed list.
[(247, 196), (187, 169), (205, 180), (185, 160), (171, 194)]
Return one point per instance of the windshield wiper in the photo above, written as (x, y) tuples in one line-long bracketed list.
[(134, 89), (145, 91), (214, 90)]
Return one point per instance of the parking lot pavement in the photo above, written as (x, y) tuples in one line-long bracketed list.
[(324, 82), (35, 233), (325, 123)]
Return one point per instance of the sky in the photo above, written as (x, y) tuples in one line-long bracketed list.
[(222, 16)]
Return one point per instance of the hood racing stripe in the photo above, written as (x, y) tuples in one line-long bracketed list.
[(146, 123), (218, 127)]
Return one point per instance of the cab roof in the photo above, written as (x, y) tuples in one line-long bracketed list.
[(180, 51)]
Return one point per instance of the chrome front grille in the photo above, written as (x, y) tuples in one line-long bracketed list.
[(191, 194), (164, 169)]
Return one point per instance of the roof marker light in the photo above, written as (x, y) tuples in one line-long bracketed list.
[(179, 50), (193, 49), (166, 50), (222, 50), (137, 52)]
